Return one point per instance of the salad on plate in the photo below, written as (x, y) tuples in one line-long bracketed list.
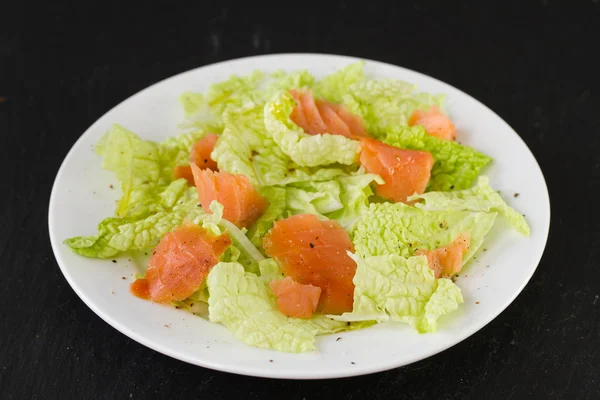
[(291, 207)]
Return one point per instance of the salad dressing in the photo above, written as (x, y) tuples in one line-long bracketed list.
[(140, 289)]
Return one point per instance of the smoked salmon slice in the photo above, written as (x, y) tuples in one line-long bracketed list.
[(242, 204), (180, 263), (405, 172), (200, 156), (183, 171), (447, 260), (434, 122), (353, 122), (314, 252), (334, 124), (295, 299), (321, 116)]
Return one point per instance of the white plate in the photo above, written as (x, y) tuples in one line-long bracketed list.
[(81, 197)]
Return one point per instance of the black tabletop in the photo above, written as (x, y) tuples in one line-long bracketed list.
[(64, 65)]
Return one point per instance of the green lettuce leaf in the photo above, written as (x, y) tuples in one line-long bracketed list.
[(245, 304), (205, 110), (212, 221), (234, 91), (197, 303), (198, 114), (144, 230), (144, 168), (241, 250), (317, 198), (270, 270), (342, 199), (276, 196), (388, 228), (355, 191), (134, 161), (249, 256), (316, 174), (387, 103), (456, 166), (245, 147), (282, 81), (305, 150), (481, 197), (394, 288), (178, 203), (333, 87), (175, 150)]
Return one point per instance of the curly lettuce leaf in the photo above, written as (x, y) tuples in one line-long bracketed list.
[(142, 232), (245, 147), (245, 304), (481, 197), (241, 250), (394, 288), (342, 198), (175, 150), (169, 209), (197, 303), (317, 198), (198, 114), (388, 228), (334, 86), (249, 256), (305, 150), (355, 191), (134, 161), (204, 110), (270, 270), (144, 168), (282, 81), (276, 196), (128, 156), (456, 166), (386, 103)]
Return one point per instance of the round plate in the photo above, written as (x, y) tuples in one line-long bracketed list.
[(82, 197)]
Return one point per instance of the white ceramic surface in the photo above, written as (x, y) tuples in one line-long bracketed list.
[(81, 197)]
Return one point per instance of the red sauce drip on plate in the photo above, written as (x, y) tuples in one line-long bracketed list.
[(140, 289)]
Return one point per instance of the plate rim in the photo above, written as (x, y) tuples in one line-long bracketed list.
[(232, 368)]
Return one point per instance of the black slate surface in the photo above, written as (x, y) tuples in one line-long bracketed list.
[(62, 65)]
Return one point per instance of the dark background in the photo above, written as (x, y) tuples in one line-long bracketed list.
[(62, 66)]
